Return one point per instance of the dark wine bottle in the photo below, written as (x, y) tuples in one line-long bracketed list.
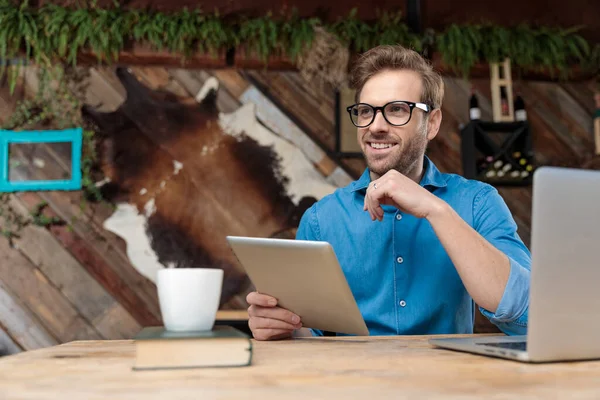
[(520, 113), (474, 110), (503, 101)]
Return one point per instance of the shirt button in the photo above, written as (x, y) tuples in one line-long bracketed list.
[(402, 303), (398, 217), (400, 260)]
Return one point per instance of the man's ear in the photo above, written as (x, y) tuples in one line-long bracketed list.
[(435, 120)]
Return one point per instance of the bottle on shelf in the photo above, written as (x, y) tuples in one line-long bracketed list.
[(474, 110), (496, 168), (484, 163), (503, 101), (525, 167), (488, 167), (520, 112), (499, 167), (520, 159)]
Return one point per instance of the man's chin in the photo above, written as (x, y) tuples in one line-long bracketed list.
[(379, 168)]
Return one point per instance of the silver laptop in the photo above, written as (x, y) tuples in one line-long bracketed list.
[(564, 306)]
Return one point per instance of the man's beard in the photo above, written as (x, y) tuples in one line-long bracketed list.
[(405, 161)]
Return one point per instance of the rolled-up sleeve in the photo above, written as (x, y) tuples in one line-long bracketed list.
[(494, 221)]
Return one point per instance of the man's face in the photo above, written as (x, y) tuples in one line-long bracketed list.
[(385, 146)]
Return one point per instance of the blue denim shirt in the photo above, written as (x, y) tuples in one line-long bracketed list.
[(400, 274)]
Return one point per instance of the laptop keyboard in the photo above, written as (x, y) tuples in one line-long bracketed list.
[(508, 345)]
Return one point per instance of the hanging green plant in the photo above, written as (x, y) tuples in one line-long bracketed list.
[(353, 32), (52, 33), (148, 27), (494, 42), (459, 47), (297, 34), (389, 28), (551, 49), (18, 33), (213, 35), (259, 35)]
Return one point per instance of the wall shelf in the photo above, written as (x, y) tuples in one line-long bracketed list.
[(499, 153)]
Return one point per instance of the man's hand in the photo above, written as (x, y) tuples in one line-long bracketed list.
[(399, 191), (269, 322)]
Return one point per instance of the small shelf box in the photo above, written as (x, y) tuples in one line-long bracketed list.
[(499, 153)]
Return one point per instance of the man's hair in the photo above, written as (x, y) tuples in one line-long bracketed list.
[(389, 57)]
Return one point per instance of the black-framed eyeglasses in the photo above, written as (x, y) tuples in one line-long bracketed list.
[(396, 113)]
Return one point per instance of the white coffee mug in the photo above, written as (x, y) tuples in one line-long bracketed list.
[(189, 297)]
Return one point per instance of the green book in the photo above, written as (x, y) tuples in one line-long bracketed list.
[(224, 346)]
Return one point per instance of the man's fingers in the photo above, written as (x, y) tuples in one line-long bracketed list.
[(379, 211), (274, 313), (259, 299), (373, 202), (257, 323), (271, 334), (370, 204)]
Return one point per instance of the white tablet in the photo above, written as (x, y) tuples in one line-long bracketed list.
[(305, 277)]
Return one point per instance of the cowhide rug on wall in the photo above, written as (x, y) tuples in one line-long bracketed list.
[(184, 175)]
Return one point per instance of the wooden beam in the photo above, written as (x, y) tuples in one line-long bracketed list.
[(117, 323), (144, 55), (23, 327), (481, 70), (7, 344), (90, 299), (544, 100), (107, 271), (34, 289), (148, 57), (46, 253), (414, 18)]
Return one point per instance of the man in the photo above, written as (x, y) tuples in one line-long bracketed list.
[(419, 248)]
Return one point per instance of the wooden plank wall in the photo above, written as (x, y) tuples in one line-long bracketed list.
[(47, 293), (76, 282)]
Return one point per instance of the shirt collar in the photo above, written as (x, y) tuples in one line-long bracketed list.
[(432, 177)]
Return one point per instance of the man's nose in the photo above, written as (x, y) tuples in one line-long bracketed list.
[(379, 123)]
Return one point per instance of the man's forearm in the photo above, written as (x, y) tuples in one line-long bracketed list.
[(483, 268)]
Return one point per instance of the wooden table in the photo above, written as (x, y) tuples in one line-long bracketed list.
[(312, 368)]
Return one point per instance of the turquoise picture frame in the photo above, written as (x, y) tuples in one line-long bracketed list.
[(74, 136)]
